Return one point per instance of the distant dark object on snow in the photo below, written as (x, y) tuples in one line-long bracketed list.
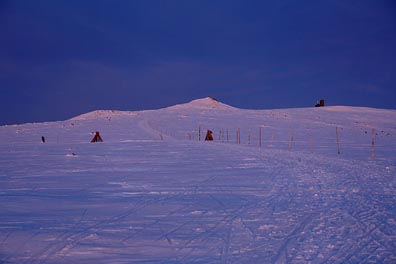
[(320, 104), (42, 139), (97, 137), (209, 136)]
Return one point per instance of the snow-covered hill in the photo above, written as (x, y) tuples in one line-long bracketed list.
[(275, 186), (204, 103)]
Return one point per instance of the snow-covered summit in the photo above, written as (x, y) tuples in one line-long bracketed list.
[(203, 103)]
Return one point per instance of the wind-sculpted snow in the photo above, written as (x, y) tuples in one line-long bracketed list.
[(153, 193)]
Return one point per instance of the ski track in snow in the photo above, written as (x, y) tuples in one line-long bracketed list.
[(153, 193)]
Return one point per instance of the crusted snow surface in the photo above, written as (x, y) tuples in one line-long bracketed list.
[(155, 192)]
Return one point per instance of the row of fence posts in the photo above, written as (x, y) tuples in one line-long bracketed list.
[(225, 137)]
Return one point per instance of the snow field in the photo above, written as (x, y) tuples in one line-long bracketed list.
[(151, 194)]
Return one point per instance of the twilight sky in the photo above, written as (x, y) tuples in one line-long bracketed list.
[(62, 58)]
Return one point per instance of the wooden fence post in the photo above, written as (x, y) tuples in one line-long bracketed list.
[(272, 138), (260, 136), (238, 136), (291, 139), (372, 143), (338, 143), (310, 140)]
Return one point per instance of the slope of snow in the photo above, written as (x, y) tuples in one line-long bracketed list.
[(155, 192), (103, 114)]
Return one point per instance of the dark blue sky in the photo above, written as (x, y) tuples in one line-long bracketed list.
[(61, 58)]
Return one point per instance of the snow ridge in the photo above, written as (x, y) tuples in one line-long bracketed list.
[(105, 114)]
